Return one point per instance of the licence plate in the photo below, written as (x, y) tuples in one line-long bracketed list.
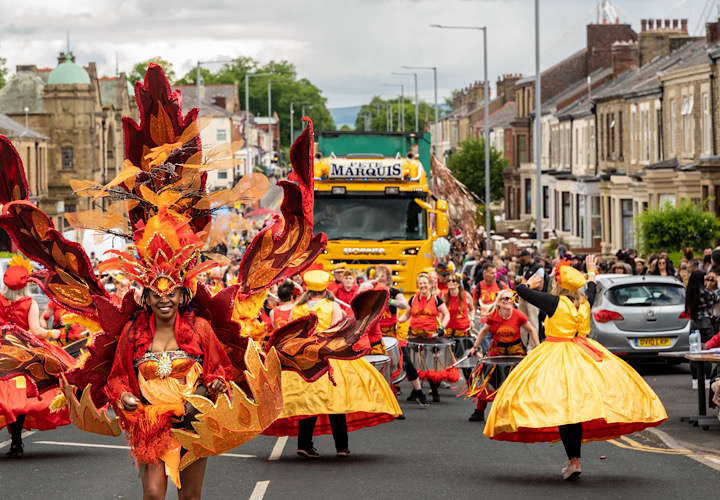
[(654, 342)]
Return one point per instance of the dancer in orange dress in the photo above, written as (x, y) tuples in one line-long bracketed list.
[(24, 401)]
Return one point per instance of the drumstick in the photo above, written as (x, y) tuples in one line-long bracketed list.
[(460, 361)]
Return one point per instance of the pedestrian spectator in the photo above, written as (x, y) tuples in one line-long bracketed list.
[(670, 267), (683, 273), (621, 268), (640, 268), (662, 267), (699, 301)]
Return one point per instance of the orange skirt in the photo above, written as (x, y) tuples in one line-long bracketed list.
[(15, 402)]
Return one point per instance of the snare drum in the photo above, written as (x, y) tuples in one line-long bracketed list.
[(462, 348), (434, 353), (381, 363), (397, 374)]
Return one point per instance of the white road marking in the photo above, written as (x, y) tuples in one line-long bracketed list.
[(24, 434), (259, 492), (120, 447), (277, 450)]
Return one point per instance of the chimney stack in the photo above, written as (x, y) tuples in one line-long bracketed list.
[(624, 56)]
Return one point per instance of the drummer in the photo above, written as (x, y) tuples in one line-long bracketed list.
[(504, 322), (280, 315), (347, 291), (484, 295), (460, 307), (428, 317)]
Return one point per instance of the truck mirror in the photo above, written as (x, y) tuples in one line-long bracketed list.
[(442, 224), (441, 205)]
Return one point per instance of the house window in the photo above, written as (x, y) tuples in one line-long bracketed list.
[(522, 149), (660, 142), (633, 131), (620, 134), (556, 221), (628, 230), (673, 117), (666, 198), (591, 146), (66, 154), (221, 135), (546, 201), (610, 218), (596, 218), (706, 124), (222, 174), (601, 144), (611, 136), (580, 208), (566, 211), (528, 196), (688, 125), (511, 204)]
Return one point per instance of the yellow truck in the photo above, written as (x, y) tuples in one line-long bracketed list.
[(374, 203)]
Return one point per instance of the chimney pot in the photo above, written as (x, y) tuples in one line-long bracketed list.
[(651, 23), (675, 24), (658, 24), (643, 25), (684, 23), (667, 24)]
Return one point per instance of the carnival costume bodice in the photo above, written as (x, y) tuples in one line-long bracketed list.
[(15, 312), (569, 321), (459, 313), (424, 313), (322, 308)]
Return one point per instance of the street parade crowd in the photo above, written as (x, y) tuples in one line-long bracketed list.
[(154, 339)]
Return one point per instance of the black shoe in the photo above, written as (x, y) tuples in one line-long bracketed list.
[(477, 416), (16, 451), (421, 400), (436, 398), (342, 453), (311, 453), (412, 396), (400, 417)]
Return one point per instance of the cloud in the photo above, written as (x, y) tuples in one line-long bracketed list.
[(348, 48)]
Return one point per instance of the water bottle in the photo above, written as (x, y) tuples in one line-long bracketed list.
[(695, 343)]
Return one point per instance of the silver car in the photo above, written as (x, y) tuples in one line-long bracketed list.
[(639, 316)]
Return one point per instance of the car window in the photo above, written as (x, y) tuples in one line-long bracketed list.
[(647, 294)]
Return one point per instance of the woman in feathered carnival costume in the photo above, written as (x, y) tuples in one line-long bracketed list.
[(29, 380), (570, 387), (354, 395), (178, 368)]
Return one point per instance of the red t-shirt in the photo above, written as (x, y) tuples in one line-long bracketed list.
[(506, 330), (346, 296), (487, 292)]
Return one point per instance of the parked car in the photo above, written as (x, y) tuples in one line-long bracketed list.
[(640, 316)]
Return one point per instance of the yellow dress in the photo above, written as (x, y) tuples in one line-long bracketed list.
[(570, 378), (360, 391)]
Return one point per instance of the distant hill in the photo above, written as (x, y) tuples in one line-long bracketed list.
[(345, 116)]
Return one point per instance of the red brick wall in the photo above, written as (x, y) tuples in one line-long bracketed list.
[(600, 38)]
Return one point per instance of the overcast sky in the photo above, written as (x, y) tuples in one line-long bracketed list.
[(348, 48)]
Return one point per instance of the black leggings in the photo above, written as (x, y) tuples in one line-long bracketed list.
[(408, 365), (16, 429), (338, 424), (571, 435)]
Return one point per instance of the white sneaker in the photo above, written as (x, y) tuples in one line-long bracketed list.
[(571, 470), (694, 384)]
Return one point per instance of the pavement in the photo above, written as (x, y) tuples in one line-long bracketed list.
[(434, 453)]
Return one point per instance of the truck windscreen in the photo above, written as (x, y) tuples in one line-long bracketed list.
[(367, 217)]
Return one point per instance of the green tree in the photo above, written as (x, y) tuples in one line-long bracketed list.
[(286, 88), (138, 71), (3, 71), (378, 109), (675, 228), (468, 166)]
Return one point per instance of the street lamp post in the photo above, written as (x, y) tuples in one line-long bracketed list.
[(270, 125), (416, 96), (437, 113), (485, 123), (247, 118), (401, 105), (538, 131), (198, 77)]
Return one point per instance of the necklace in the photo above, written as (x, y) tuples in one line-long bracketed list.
[(164, 363)]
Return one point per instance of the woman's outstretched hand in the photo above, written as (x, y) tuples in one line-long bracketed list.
[(129, 402), (217, 386)]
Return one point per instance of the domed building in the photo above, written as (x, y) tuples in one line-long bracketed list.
[(81, 115)]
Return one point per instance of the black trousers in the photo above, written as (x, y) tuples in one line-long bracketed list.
[(338, 424), (16, 429), (408, 365), (571, 435)]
